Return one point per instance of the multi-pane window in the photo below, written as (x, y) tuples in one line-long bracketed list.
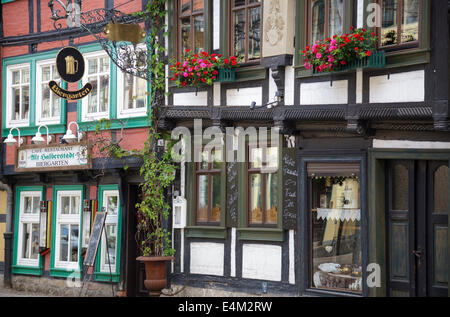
[(67, 229), (28, 235), (19, 95), (191, 25), (246, 18), (208, 189), (335, 224), (263, 186), (326, 19), (108, 257), (96, 104), (133, 96), (48, 104), (400, 22)]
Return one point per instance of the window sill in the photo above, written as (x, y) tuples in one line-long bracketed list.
[(31, 131), (261, 234), (106, 277), (60, 272), (27, 270), (207, 232), (394, 59), (128, 123)]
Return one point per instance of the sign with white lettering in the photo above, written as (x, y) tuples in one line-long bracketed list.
[(37, 158)]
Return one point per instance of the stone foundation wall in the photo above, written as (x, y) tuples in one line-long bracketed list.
[(61, 287)]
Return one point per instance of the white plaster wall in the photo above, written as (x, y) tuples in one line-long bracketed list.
[(290, 85), (216, 91), (402, 144), (261, 262), (216, 22), (207, 258), (244, 96), (360, 18), (326, 92), (401, 87), (190, 99), (272, 87)]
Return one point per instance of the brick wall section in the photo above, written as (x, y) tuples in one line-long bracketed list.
[(15, 18)]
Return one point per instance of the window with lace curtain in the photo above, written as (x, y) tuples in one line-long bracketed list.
[(400, 23), (325, 19)]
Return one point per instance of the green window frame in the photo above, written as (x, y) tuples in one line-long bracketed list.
[(103, 275), (58, 271), (32, 126), (259, 233), (16, 267), (113, 117), (211, 230)]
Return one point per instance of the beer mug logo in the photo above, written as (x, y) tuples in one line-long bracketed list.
[(71, 65)]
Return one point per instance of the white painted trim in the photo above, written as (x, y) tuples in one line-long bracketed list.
[(39, 120), (291, 257), (128, 113), (233, 253), (16, 123), (85, 117), (404, 144), (360, 19), (359, 86), (182, 251), (110, 220)]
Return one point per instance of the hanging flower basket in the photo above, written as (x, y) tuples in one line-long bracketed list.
[(348, 51)]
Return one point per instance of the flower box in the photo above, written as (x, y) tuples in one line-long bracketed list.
[(227, 75), (377, 59)]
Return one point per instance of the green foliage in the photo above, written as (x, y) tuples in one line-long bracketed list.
[(157, 169)]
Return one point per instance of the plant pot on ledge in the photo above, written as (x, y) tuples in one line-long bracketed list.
[(155, 273)]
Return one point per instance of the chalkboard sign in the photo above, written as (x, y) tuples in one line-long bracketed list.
[(232, 194), (94, 240), (290, 179)]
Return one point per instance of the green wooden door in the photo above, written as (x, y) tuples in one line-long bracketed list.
[(417, 228)]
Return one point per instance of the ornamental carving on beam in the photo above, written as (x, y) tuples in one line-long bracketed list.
[(274, 24)]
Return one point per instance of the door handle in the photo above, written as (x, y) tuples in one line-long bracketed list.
[(418, 255)]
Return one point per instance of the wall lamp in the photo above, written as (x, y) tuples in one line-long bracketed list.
[(38, 139), (10, 140), (69, 137)]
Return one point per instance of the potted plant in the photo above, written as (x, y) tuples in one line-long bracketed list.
[(197, 69), (153, 239), (342, 52)]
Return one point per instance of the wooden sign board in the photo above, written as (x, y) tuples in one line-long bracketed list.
[(94, 240), (38, 158)]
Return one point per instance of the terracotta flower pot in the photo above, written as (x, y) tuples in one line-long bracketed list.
[(155, 273)]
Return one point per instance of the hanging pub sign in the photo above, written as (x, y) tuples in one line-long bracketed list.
[(35, 158), (70, 66)]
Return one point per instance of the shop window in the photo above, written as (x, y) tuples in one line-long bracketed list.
[(263, 187), (400, 23), (67, 242), (335, 224), (28, 229), (208, 175), (132, 96), (96, 105), (191, 26), (48, 105), (325, 19), (18, 96), (246, 18), (108, 254)]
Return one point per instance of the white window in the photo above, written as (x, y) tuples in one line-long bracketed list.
[(67, 244), (28, 235), (97, 104), (48, 105), (18, 96), (111, 205), (131, 95)]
